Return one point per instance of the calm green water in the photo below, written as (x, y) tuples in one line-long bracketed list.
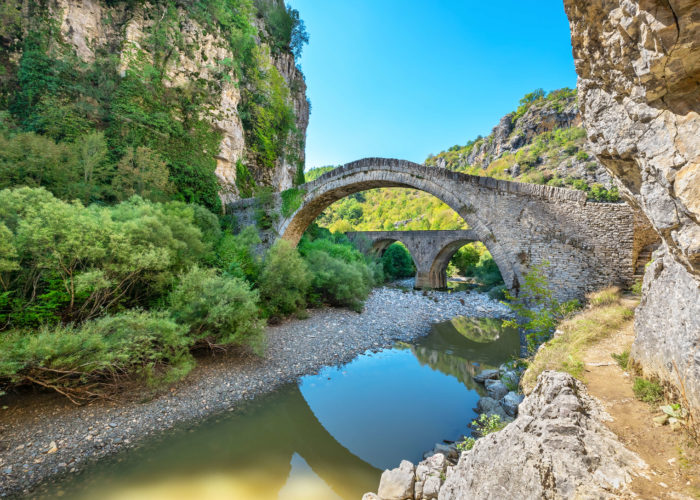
[(327, 437)]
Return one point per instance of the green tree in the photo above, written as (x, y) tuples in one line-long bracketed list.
[(397, 262), (144, 173), (284, 281)]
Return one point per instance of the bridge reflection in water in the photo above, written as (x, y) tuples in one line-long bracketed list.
[(328, 437)]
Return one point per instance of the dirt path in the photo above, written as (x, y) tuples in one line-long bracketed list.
[(673, 458)]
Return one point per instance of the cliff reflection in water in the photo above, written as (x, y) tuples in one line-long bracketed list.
[(464, 346)]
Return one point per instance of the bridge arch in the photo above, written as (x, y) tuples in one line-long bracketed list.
[(588, 245), (373, 173)]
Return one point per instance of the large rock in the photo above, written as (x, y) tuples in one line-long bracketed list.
[(667, 323), (397, 484), (639, 66), (495, 389), (558, 447), (490, 406), (510, 403), (484, 375)]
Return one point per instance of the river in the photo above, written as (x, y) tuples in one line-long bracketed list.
[(329, 436)]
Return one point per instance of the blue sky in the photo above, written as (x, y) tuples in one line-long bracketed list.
[(405, 78)]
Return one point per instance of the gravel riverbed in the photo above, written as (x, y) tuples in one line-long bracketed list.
[(43, 435)]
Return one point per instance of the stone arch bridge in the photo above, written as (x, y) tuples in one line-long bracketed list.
[(431, 250), (588, 245)]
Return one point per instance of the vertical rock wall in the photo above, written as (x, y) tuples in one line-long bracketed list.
[(88, 25), (638, 63)]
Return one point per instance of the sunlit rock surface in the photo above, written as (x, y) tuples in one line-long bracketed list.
[(639, 71)]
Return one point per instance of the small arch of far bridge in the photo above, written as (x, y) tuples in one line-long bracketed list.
[(431, 250)]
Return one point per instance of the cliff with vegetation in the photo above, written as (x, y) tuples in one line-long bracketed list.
[(541, 142), (167, 99)]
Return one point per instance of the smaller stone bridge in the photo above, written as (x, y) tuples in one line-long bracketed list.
[(431, 250)]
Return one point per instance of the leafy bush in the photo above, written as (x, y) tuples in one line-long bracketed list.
[(284, 281), (341, 274), (75, 263), (86, 361), (219, 310), (483, 426), (498, 292), (465, 259), (235, 254), (648, 391), (397, 262)]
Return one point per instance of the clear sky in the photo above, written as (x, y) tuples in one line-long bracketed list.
[(405, 78)]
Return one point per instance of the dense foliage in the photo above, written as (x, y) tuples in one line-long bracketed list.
[(341, 274), (397, 262), (119, 125), (93, 295)]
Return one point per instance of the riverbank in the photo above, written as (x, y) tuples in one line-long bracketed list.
[(44, 435), (592, 410)]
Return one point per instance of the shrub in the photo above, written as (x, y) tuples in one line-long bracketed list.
[(397, 262), (338, 282), (648, 391), (483, 426), (498, 292), (235, 254), (341, 274), (86, 361), (219, 310), (465, 259), (75, 263), (537, 307), (284, 281)]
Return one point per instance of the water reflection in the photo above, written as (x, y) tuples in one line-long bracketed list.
[(327, 437)]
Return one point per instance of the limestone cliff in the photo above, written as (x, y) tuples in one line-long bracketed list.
[(197, 52), (639, 90)]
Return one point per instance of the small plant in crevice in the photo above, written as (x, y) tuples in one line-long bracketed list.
[(622, 359), (292, 199), (648, 391), (483, 426)]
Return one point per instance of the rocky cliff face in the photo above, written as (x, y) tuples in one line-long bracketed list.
[(93, 26), (558, 447), (639, 90)]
